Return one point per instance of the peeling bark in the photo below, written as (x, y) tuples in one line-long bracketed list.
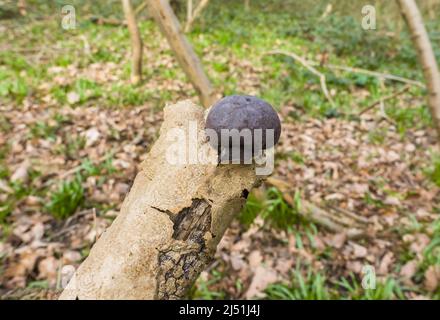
[(170, 222)]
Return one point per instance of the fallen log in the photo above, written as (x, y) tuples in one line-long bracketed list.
[(170, 222), (337, 221)]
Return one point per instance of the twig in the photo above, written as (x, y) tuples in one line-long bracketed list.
[(309, 67), (320, 216), (86, 43), (376, 74), (379, 75), (389, 97), (71, 171), (202, 4), (351, 215), (141, 7), (326, 12), (106, 21), (384, 115)]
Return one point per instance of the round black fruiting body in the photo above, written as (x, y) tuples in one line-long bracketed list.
[(242, 125)]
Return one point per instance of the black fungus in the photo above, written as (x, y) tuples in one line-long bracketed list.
[(243, 112)]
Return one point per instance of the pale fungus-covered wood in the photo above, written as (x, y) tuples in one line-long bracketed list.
[(170, 222)]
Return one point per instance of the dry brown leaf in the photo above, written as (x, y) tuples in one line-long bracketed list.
[(255, 258), (47, 269), (337, 241), (262, 278), (22, 172), (358, 250), (408, 271), (385, 263), (432, 278)]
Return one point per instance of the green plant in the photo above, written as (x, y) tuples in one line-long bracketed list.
[(13, 87), (66, 199), (433, 171), (277, 212), (251, 210), (41, 284), (202, 290), (409, 118), (5, 210), (19, 191), (43, 130), (106, 167), (72, 147), (385, 290), (312, 286), (297, 157), (431, 254), (272, 208)]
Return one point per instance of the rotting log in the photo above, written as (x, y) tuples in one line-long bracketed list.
[(170, 222), (169, 25)]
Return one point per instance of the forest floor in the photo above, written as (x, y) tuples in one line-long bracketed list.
[(73, 132)]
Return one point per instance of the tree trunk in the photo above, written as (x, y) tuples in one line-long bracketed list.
[(247, 5), (426, 56), (136, 42), (187, 58), (202, 5), (170, 222), (189, 10)]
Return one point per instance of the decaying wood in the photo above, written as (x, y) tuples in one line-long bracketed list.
[(136, 42), (419, 35), (338, 220), (170, 222), (187, 58)]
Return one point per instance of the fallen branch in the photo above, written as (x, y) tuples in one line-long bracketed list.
[(170, 222), (338, 221), (106, 21), (384, 76), (198, 10), (309, 67), (382, 100)]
